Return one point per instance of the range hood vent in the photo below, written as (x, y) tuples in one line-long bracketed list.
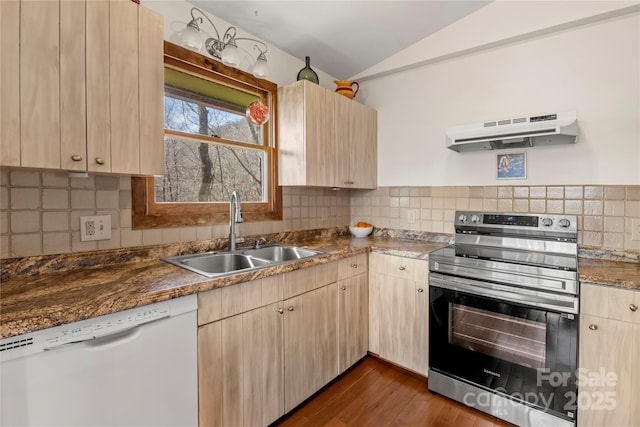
[(518, 132)]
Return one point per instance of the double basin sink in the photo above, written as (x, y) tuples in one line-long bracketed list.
[(221, 263)]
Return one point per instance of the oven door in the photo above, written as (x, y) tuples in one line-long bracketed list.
[(500, 343)]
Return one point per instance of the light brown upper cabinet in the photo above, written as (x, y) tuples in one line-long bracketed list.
[(325, 139), (82, 86)]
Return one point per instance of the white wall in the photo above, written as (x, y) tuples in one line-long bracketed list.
[(283, 68), (593, 68)]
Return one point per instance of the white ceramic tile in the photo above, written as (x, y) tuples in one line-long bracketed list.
[(83, 199), (25, 198), (55, 198), (55, 179), (55, 221), (19, 178), (26, 244), (56, 243), (25, 221)]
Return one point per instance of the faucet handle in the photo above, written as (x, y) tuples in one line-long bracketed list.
[(258, 242), (240, 239)]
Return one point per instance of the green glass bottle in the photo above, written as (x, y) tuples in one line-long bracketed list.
[(307, 72)]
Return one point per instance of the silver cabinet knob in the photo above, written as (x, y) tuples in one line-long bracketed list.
[(420, 290), (100, 160), (633, 307), (402, 268), (76, 158), (354, 265), (343, 287), (280, 310), (593, 327), (290, 308)]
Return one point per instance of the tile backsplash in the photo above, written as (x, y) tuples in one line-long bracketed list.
[(605, 213), (40, 211), (40, 214)]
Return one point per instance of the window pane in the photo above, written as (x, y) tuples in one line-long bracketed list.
[(193, 114), (202, 172)]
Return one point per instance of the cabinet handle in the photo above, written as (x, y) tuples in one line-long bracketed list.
[(76, 158), (290, 308), (402, 268), (354, 265), (593, 327), (343, 287), (100, 160), (280, 310), (420, 290), (633, 307)]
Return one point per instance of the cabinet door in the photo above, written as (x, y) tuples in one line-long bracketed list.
[(123, 87), (353, 320), (98, 83), (399, 310), (310, 343), (40, 83), (320, 138), (240, 369), (151, 48), (10, 83), (420, 360), (397, 319), (363, 156), (73, 111), (635, 379), (605, 349)]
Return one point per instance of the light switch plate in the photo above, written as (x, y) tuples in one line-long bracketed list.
[(95, 228)]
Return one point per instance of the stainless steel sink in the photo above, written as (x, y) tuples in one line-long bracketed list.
[(215, 264), (279, 253)]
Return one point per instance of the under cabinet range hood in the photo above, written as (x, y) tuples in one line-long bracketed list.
[(517, 132)]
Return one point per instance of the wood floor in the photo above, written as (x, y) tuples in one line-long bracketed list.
[(375, 393)]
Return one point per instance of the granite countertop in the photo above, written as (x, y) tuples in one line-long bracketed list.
[(45, 298), (41, 292), (610, 273)]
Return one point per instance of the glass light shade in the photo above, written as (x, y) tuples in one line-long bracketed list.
[(260, 68), (191, 38), (230, 55)]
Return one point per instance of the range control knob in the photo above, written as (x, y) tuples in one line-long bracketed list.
[(547, 222), (475, 219), (462, 218), (564, 223)]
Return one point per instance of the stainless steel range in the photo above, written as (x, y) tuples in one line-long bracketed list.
[(503, 331)]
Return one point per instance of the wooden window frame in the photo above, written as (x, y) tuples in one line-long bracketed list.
[(146, 213)]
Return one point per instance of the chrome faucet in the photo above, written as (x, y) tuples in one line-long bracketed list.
[(235, 215)]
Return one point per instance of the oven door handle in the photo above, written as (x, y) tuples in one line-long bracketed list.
[(559, 303)]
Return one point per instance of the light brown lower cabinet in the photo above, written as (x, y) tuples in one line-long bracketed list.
[(399, 310), (608, 374), (310, 343), (353, 310), (240, 369), (267, 345)]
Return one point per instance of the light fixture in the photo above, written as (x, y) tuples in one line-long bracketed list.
[(225, 48)]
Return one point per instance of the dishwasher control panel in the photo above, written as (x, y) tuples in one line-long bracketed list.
[(104, 325), (97, 327)]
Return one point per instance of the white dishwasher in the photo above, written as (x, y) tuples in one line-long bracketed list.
[(132, 368)]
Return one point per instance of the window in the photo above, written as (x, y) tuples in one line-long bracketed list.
[(211, 149)]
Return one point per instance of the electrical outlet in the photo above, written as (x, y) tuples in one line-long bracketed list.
[(95, 228), (635, 229), (411, 216)]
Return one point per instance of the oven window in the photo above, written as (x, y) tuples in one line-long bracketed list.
[(509, 338)]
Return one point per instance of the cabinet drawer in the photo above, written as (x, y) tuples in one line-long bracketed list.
[(307, 279), (610, 302), (348, 267), (400, 267), (230, 300)]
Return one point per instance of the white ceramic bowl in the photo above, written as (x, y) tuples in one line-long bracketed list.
[(360, 231)]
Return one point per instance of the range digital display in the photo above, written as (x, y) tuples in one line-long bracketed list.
[(519, 220)]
